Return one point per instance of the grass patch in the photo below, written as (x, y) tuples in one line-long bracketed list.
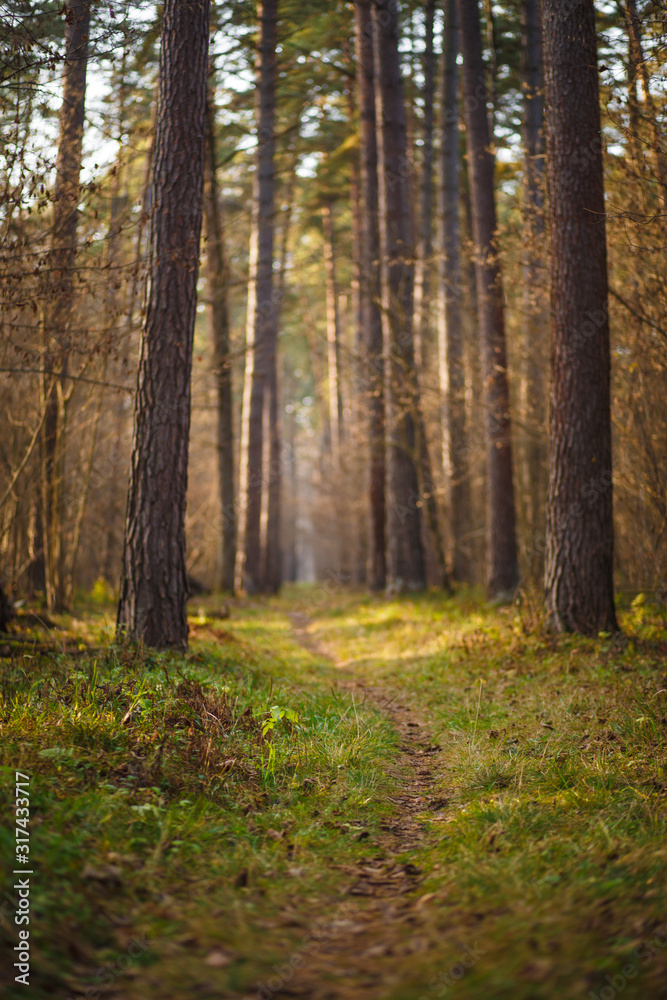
[(550, 833), (178, 803), (191, 815)]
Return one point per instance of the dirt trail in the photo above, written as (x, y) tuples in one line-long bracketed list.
[(375, 930)]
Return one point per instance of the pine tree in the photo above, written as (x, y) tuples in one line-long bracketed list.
[(502, 559), (580, 533), (152, 606), (405, 555)]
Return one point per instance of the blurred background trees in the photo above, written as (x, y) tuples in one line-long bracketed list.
[(71, 327)]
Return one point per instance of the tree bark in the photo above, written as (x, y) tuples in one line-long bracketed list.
[(450, 318), (534, 389), (372, 361), (502, 561), (261, 325), (217, 291), (152, 607), (59, 309), (580, 536), (423, 262), (405, 556)]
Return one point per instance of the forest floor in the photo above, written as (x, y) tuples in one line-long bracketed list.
[(334, 796)]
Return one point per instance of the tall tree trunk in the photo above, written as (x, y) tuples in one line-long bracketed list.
[(217, 291), (405, 556), (450, 318), (423, 262), (333, 335), (580, 535), (272, 573), (261, 325), (535, 324), (152, 606), (373, 365), (59, 309), (502, 561)]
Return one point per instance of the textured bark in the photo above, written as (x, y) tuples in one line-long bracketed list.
[(333, 335), (217, 286), (372, 362), (450, 318), (502, 562), (261, 324), (405, 556), (59, 309), (152, 606), (580, 537), (423, 263), (533, 387)]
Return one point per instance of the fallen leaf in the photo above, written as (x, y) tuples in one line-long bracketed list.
[(217, 959)]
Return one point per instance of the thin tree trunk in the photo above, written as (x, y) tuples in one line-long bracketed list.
[(450, 326), (372, 361), (261, 326), (358, 334), (502, 561), (272, 574), (5, 610), (152, 606), (580, 535), (70, 563), (333, 336), (634, 26), (534, 389), (425, 243), (59, 309), (405, 555), (217, 291), (634, 126), (427, 494)]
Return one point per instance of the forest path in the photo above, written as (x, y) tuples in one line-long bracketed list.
[(375, 933)]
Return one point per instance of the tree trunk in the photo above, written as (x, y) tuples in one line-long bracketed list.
[(272, 574), (580, 535), (634, 26), (5, 610), (333, 336), (405, 556), (152, 607), (59, 309), (372, 362), (502, 561), (425, 244), (450, 318), (534, 390), (217, 286), (261, 325)]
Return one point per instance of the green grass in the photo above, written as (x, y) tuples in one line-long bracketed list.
[(190, 815), (550, 850), (164, 793)]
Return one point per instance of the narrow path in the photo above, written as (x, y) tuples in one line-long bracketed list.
[(363, 949)]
